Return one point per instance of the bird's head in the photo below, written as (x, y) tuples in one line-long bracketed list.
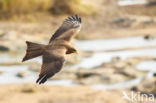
[(76, 52), (71, 50)]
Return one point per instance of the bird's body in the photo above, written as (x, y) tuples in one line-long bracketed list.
[(53, 54)]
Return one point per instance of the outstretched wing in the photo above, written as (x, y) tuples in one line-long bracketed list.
[(69, 27), (52, 63)]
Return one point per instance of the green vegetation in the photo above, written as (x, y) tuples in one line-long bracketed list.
[(17, 7), (72, 7), (10, 8)]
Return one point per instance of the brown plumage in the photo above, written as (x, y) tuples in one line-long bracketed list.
[(53, 54)]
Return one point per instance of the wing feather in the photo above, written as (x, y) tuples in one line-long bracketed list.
[(73, 22), (51, 64)]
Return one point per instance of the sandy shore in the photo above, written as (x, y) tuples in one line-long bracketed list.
[(28, 93)]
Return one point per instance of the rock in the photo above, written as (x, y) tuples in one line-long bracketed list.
[(134, 88), (1, 72), (132, 61), (3, 48), (123, 22), (151, 3), (126, 74), (81, 75), (91, 80), (147, 86), (30, 89), (149, 37), (120, 65), (134, 73), (115, 59), (21, 74)]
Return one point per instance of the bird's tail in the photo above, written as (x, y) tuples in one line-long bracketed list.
[(33, 50)]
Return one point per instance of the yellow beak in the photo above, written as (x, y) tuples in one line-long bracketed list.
[(77, 53)]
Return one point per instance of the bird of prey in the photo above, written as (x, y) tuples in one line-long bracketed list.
[(53, 54)]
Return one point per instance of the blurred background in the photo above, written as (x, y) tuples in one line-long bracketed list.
[(117, 51)]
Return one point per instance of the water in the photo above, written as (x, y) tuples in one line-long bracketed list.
[(147, 66), (114, 44), (9, 74), (131, 2), (5, 57), (16, 58)]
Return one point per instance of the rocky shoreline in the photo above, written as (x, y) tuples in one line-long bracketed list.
[(114, 71)]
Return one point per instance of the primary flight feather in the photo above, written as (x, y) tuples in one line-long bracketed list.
[(53, 54)]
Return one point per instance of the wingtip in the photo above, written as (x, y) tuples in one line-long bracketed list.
[(74, 18), (80, 20), (38, 80), (77, 17), (41, 80)]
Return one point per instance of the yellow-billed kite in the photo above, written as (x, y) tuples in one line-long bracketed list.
[(53, 54)]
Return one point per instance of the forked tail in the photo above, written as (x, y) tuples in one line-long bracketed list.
[(33, 50)]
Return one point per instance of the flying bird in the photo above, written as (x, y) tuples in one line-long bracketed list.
[(53, 54)]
